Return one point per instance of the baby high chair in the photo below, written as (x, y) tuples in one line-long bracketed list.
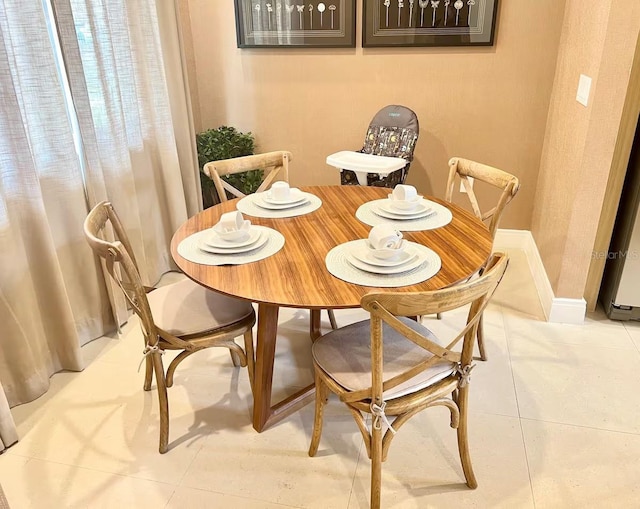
[(391, 136)]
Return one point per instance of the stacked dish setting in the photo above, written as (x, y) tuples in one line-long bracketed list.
[(233, 235), (384, 252), (403, 204), (281, 197)]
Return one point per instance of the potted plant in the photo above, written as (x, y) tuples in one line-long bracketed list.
[(225, 143)]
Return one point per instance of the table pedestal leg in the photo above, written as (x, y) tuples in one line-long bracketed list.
[(314, 325), (264, 414)]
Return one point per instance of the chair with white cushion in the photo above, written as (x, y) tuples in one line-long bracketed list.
[(183, 316), (469, 171), (391, 365)]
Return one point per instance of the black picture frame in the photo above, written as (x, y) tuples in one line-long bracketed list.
[(451, 23), (295, 23)]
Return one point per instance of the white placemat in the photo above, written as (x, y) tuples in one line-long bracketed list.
[(189, 250), (338, 265), (441, 217), (247, 206)]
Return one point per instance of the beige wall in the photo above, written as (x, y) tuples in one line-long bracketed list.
[(578, 150), (488, 104)]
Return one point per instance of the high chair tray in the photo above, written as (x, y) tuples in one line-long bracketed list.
[(366, 163)]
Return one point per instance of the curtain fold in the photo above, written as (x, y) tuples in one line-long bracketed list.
[(133, 145), (121, 70), (50, 293)]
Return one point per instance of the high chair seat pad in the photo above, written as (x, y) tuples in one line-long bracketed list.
[(345, 355), (185, 308)]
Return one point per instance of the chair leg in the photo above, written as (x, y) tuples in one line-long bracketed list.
[(235, 358), (463, 438), (251, 359), (148, 375), (163, 401), (480, 336), (376, 467), (321, 399), (439, 316), (332, 319)]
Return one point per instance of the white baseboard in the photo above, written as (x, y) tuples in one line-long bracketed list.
[(556, 309), (567, 311)]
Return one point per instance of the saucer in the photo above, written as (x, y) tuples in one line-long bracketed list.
[(416, 260), (401, 217), (363, 253), (388, 206), (295, 196), (261, 241), (214, 240), (262, 203)]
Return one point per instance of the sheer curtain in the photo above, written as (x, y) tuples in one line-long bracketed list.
[(53, 295), (116, 68)]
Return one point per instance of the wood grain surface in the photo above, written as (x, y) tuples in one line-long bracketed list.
[(296, 276)]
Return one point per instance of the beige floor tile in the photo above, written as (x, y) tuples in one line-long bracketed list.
[(201, 499), (274, 465), (116, 347), (633, 328), (574, 467), (423, 469), (582, 385), (105, 421), (493, 389), (595, 332), (33, 483)]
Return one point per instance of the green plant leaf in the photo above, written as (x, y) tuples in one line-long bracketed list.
[(226, 143)]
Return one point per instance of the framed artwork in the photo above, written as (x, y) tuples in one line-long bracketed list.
[(428, 22), (295, 23)]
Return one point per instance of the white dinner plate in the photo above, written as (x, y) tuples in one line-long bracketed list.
[(214, 240), (420, 208), (398, 217), (260, 202), (295, 196), (411, 264), (262, 240), (363, 253)]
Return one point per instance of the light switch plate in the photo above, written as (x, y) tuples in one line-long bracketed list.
[(584, 88)]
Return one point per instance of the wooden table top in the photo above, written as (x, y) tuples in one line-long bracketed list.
[(296, 276)]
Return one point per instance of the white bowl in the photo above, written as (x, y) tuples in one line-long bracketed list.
[(234, 235), (387, 253), (405, 204)]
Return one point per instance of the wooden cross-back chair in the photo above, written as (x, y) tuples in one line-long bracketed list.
[(464, 168), (183, 316), (509, 184), (275, 166), (391, 365)]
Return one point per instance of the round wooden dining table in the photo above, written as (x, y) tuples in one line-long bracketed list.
[(297, 277)]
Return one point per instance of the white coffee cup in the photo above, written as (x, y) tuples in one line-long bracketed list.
[(383, 236), (231, 221), (280, 191), (403, 192)]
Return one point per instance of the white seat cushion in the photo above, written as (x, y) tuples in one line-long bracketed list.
[(345, 355), (185, 308)]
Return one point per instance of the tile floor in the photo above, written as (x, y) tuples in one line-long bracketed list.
[(555, 423)]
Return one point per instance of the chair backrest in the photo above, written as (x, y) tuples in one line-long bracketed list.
[(387, 306), (120, 262), (392, 132), (465, 168), (275, 166)]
